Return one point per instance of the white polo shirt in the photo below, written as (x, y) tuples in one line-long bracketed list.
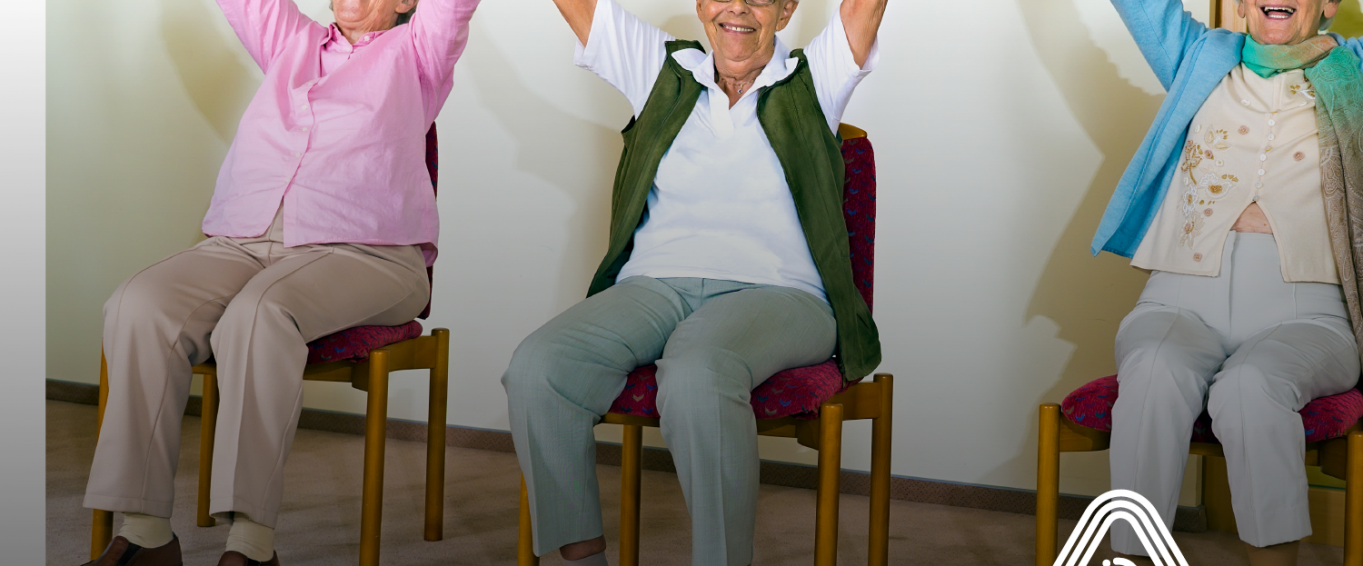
[(720, 207)]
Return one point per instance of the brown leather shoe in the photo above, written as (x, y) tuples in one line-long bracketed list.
[(120, 552), (234, 558)]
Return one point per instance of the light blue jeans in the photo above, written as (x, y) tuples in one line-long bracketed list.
[(714, 342)]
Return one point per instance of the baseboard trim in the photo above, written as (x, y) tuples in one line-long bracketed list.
[(656, 459)]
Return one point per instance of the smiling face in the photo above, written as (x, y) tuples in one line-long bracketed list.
[(369, 15), (1285, 22), (741, 33)]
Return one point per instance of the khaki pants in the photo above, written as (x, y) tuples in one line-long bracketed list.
[(253, 305), (714, 342), (1253, 350)]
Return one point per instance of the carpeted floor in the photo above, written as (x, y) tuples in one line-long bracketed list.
[(319, 522)]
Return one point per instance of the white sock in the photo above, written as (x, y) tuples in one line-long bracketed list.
[(254, 540), (598, 559), (145, 531)]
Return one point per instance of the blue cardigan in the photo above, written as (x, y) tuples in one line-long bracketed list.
[(1190, 60)]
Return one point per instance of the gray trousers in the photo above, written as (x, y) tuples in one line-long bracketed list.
[(714, 342), (1253, 350), (253, 305)]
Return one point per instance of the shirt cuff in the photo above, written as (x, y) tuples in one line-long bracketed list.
[(585, 55)]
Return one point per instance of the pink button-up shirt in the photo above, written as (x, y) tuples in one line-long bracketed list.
[(336, 133)]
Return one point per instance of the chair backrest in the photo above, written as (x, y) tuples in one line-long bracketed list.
[(432, 168), (859, 206)]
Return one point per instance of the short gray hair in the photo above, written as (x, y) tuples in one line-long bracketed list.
[(1324, 21)]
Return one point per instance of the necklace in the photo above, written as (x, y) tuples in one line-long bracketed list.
[(744, 86)]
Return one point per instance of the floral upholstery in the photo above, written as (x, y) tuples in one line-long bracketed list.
[(797, 392), (354, 344), (1324, 418)]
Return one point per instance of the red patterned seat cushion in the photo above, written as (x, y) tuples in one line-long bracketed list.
[(354, 344), (794, 392), (798, 392), (1324, 418)]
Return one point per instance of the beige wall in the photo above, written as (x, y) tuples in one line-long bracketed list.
[(1001, 127)]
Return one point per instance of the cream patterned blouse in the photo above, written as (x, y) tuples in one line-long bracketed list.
[(1254, 140)]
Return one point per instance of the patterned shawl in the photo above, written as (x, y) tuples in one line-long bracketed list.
[(1338, 81)]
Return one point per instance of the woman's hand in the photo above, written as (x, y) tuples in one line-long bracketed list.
[(861, 20)]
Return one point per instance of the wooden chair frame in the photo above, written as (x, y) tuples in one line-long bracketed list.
[(1339, 457), (430, 352), (874, 401)]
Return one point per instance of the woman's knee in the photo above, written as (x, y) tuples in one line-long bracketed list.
[(248, 313), (137, 301), (1159, 370), (1247, 389), (535, 363), (702, 379)]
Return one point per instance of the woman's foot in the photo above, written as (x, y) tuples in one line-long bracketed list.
[(583, 549), (1133, 559), (234, 558), (1277, 555), (120, 552)]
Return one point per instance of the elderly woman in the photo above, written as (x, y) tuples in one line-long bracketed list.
[(1240, 201), (323, 218), (727, 261)]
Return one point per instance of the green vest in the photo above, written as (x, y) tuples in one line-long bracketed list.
[(809, 153)]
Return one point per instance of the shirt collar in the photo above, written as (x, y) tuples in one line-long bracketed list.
[(702, 67), (334, 36)]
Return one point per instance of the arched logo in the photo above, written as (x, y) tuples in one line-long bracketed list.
[(1120, 505)]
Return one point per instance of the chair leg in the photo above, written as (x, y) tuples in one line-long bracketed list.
[(102, 524), (1047, 483), (631, 464), (375, 432), (525, 540), (208, 424), (830, 472), (878, 551), (1353, 502), (435, 438)]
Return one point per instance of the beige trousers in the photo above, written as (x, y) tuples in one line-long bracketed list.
[(253, 305)]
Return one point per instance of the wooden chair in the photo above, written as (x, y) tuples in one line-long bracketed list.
[(370, 354), (819, 428), (1339, 454)]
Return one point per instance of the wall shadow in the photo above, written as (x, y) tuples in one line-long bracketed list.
[(213, 75), (1086, 296), (527, 117)]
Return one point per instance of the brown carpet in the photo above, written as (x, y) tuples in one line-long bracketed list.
[(319, 522)]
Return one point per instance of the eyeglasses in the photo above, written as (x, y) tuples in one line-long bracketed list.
[(750, 2)]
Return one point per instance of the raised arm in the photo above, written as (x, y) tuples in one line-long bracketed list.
[(440, 31), (578, 14), (1163, 30), (264, 26), (861, 19)]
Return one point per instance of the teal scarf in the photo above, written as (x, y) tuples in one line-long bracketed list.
[(1338, 82)]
